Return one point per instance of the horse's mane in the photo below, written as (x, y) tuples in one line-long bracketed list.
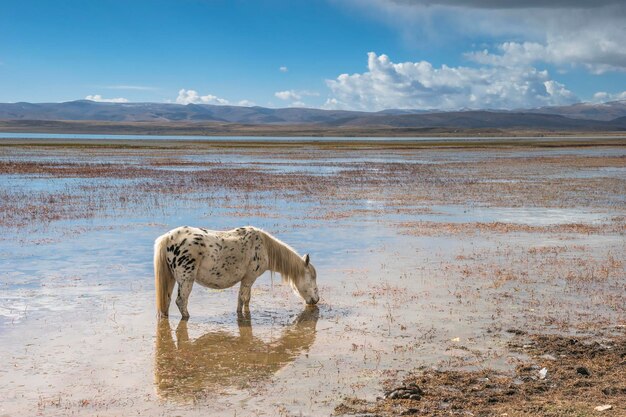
[(283, 259)]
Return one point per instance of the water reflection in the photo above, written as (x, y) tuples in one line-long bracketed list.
[(189, 369)]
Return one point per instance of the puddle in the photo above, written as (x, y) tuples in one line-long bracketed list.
[(531, 216), (218, 361)]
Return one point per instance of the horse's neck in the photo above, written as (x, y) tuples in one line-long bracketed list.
[(282, 258)]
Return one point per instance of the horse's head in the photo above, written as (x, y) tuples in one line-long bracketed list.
[(306, 285)]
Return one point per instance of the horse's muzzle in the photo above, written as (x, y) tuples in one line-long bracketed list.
[(312, 301)]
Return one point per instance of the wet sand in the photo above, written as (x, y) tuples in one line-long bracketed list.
[(426, 256)]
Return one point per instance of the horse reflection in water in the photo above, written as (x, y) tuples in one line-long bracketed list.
[(186, 370)]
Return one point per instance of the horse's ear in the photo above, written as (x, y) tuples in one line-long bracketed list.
[(306, 259)]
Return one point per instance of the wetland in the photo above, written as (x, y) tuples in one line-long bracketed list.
[(455, 266)]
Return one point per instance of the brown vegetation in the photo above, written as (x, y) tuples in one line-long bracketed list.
[(406, 188), (581, 373), (273, 130)]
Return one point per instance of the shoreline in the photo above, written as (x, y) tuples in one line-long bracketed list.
[(74, 127), (335, 142)]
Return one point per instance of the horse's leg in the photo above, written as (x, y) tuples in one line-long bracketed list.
[(165, 355), (243, 302), (182, 334), (184, 289), (164, 340), (245, 327)]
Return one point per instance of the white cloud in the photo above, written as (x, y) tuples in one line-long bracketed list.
[(511, 53), (603, 97), (566, 33), (287, 95), (246, 103), (419, 85), (100, 99), (592, 51), (192, 97), (510, 4), (295, 95), (283, 69)]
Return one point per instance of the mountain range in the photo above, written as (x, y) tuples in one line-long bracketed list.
[(609, 116)]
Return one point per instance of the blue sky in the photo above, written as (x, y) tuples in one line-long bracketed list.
[(352, 54)]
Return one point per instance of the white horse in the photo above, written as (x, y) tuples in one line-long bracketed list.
[(220, 259)]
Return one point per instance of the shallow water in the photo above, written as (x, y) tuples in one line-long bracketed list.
[(65, 136), (78, 333)]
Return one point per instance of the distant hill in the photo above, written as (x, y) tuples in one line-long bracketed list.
[(603, 111), (581, 117), (489, 119), (145, 112)]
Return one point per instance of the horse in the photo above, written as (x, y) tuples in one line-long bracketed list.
[(186, 369), (221, 259)]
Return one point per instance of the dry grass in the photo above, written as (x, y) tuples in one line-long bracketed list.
[(582, 373), (425, 228), (405, 186)]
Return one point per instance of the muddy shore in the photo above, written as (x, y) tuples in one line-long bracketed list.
[(562, 376)]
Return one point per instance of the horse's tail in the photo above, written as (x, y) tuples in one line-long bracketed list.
[(163, 278)]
